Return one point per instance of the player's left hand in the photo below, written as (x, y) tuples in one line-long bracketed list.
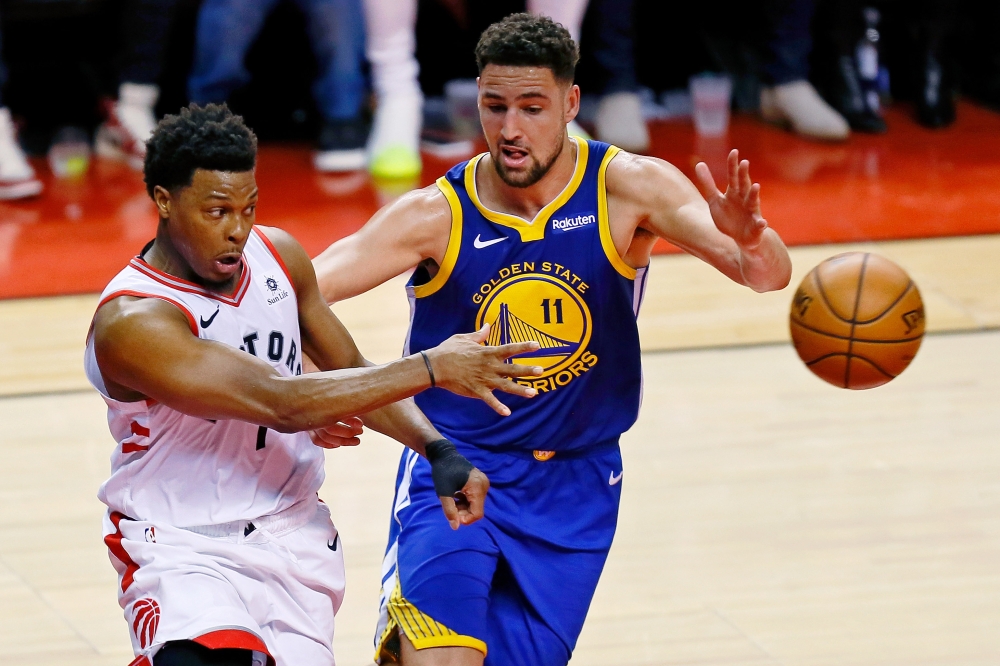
[(737, 212), (344, 433), (466, 506)]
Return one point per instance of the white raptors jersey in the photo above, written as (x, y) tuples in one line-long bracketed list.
[(172, 468)]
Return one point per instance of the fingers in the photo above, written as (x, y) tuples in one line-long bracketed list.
[(496, 405), (745, 183), (450, 511), (733, 167), (519, 370), (517, 389), (474, 494), (753, 201), (706, 184), (344, 433), (516, 348), (480, 336), (326, 441)]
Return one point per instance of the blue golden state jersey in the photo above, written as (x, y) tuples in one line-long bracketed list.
[(557, 280)]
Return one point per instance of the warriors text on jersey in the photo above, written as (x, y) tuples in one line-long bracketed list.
[(557, 280), (180, 470)]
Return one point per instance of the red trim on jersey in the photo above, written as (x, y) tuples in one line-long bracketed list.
[(274, 253), (132, 447), (234, 638), (114, 544), (137, 429), (174, 282), (141, 660), (141, 294)]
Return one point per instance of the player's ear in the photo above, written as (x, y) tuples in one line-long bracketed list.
[(163, 200), (572, 101)]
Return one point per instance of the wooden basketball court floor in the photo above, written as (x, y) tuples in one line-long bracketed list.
[(767, 518)]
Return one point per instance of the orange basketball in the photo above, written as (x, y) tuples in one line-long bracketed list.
[(857, 320)]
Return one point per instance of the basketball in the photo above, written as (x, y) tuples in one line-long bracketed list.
[(857, 320)]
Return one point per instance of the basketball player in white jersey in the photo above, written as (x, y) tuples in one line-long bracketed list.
[(224, 553)]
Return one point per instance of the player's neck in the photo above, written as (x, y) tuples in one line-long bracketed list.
[(163, 256), (525, 202)]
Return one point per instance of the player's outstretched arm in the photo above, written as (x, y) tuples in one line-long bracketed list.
[(327, 342), (726, 230), (405, 232), (145, 349)]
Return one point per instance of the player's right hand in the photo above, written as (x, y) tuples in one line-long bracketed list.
[(463, 365)]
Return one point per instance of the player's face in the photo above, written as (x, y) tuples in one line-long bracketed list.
[(210, 220), (524, 111)]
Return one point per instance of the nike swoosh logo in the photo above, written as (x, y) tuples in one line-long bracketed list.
[(206, 323), (480, 244), (332, 544), (613, 480)]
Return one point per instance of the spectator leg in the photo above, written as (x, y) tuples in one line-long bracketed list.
[(567, 12), (394, 144), (3, 67), (392, 45), (619, 114), (145, 29), (226, 29), (336, 29)]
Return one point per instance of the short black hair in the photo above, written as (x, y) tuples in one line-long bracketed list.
[(199, 137), (529, 40)]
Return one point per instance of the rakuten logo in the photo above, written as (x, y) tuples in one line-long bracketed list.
[(573, 222)]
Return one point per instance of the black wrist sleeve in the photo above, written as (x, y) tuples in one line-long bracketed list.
[(449, 468)]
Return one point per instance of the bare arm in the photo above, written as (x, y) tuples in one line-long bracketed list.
[(413, 228), (648, 198), (330, 346), (145, 349)]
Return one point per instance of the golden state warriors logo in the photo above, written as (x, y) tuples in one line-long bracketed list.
[(549, 311)]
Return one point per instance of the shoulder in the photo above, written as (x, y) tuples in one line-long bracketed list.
[(427, 204), (130, 318), (640, 179), (290, 253), (420, 218)]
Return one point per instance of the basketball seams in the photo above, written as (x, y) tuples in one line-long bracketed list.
[(823, 297), (895, 341), (854, 321), (849, 357), (909, 285)]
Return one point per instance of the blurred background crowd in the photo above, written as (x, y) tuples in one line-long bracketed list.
[(374, 82)]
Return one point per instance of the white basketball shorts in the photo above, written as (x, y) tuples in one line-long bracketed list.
[(271, 585)]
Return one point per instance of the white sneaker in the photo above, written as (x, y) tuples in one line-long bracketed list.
[(17, 178), (620, 122), (394, 143), (130, 122), (798, 105)]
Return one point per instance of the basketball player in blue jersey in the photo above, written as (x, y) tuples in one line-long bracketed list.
[(545, 238)]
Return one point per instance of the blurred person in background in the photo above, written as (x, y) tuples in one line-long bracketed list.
[(227, 28), (787, 97), (619, 118), (927, 68), (130, 119), (17, 178), (394, 145)]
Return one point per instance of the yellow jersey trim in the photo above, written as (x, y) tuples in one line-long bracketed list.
[(607, 242), (454, 243), (535, 229), (421, 629)]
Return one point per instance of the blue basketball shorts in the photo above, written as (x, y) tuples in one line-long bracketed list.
[(515, 585)]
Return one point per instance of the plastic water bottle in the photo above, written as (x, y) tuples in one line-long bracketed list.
[(69, 154), (866, 56)]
